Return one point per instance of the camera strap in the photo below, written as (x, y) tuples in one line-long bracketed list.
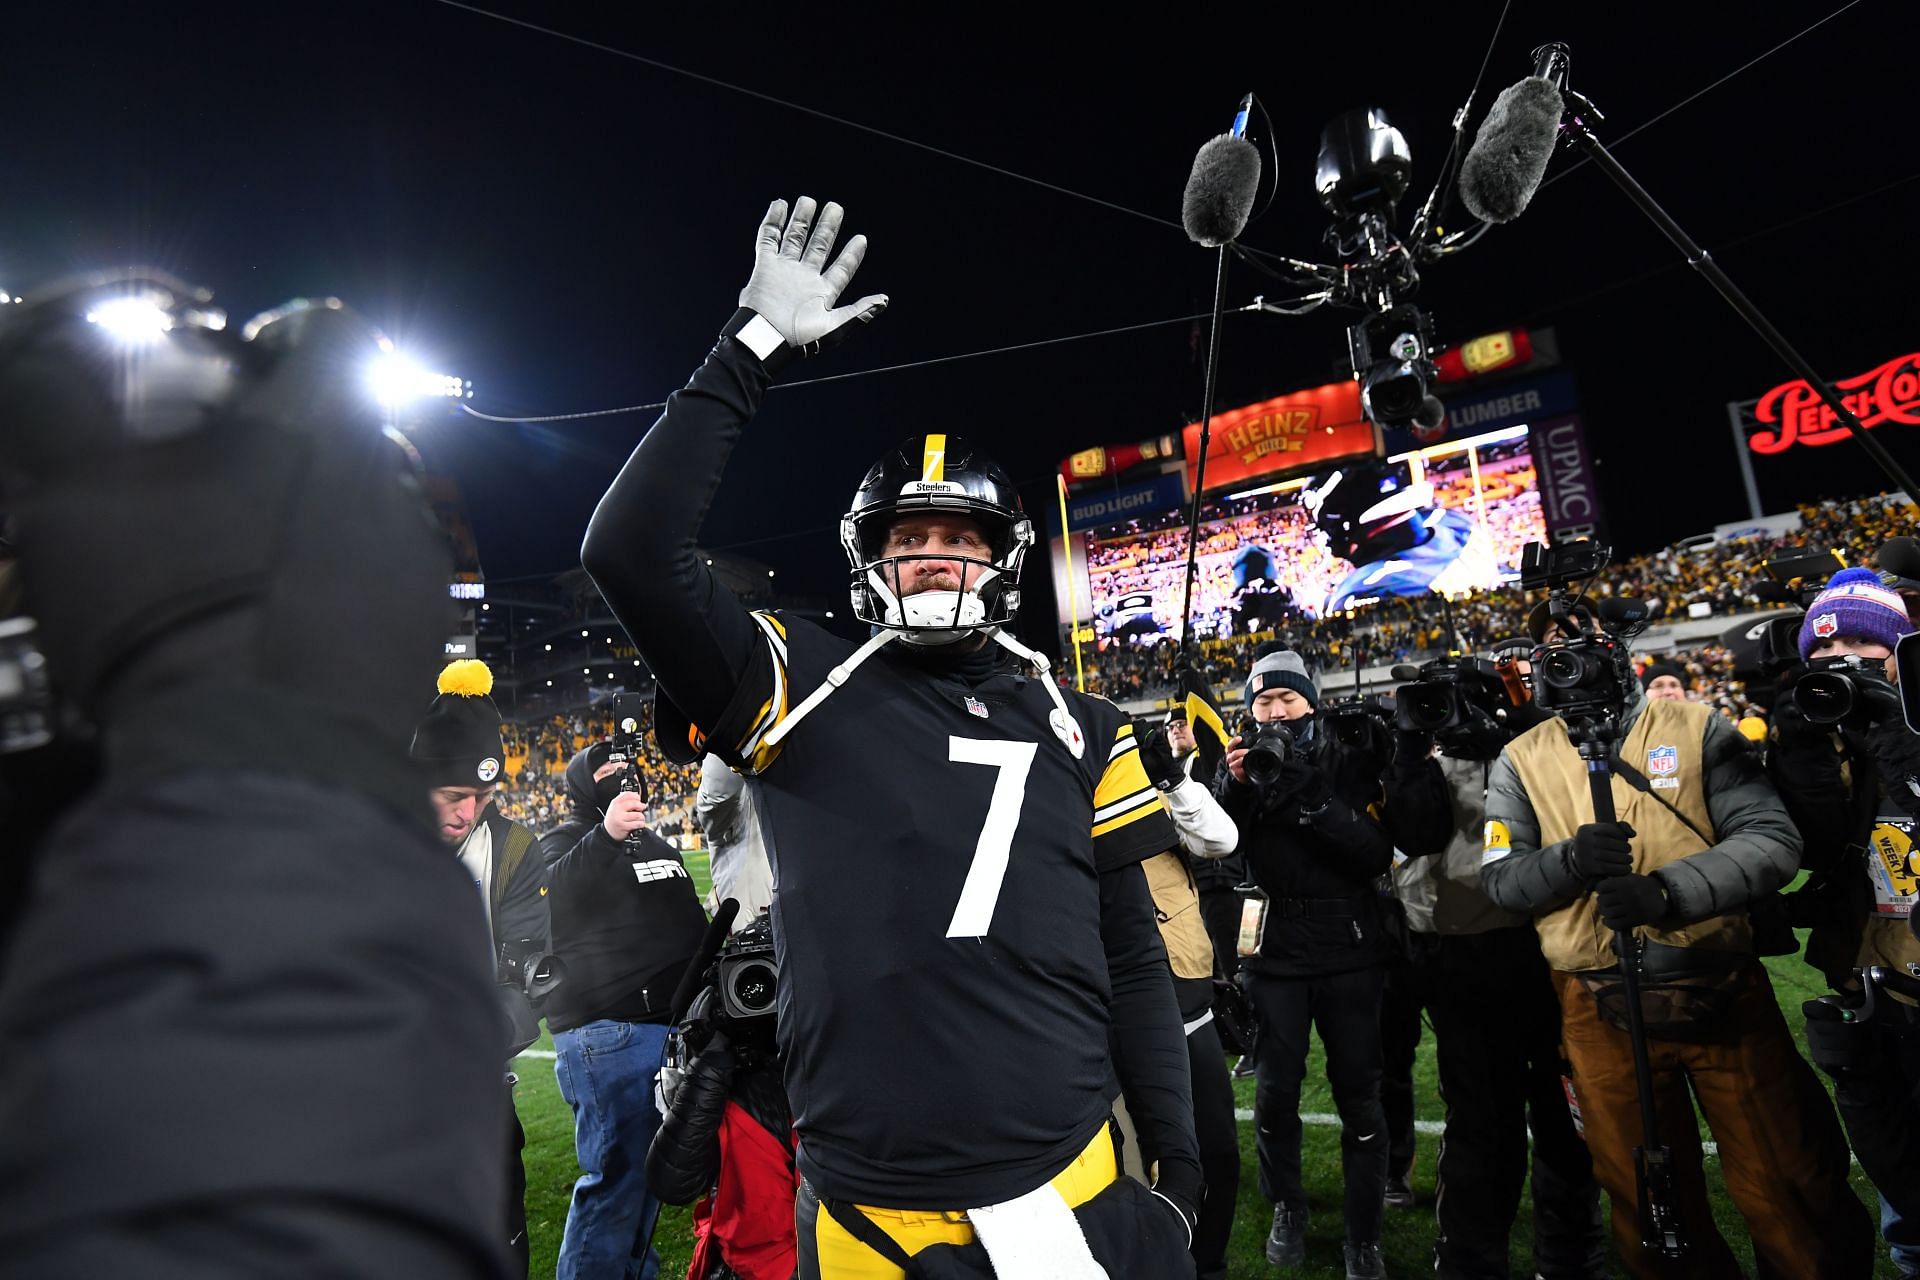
[(1638, 781)]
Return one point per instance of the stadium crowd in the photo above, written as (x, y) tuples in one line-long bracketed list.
[(535, 792), (1726, 576)]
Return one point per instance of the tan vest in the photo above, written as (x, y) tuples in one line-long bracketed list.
[(1182, 929), (1572, 937)]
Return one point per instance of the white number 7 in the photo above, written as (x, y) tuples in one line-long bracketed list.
[(978, 896)]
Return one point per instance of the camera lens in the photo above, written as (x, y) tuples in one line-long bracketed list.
[(1565, 668), (1429, 707), (753, 987), (1825, 697)]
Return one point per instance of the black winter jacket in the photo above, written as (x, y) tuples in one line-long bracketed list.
[(1324, 913), (625, 922)]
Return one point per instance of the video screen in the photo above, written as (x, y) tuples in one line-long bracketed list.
[(1450, 518)]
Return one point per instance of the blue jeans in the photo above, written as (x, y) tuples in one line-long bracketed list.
[(606, 1072)]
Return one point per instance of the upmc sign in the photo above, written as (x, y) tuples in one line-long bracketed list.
[(1302, 432), (1792, 413)]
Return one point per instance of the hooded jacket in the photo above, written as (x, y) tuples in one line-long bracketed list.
[(626, 921)]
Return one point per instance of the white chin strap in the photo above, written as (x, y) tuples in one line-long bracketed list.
[(1064, 726)]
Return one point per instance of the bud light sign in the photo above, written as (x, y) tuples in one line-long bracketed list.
[(1111, 506)]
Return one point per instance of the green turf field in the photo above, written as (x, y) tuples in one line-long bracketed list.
[(1407, 1243)]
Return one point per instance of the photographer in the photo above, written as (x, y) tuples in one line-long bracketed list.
[(1496, 1020), (626, 922), (1684, 863), (726, 1137), (1315, 854), (458, 749), (1858, 826)]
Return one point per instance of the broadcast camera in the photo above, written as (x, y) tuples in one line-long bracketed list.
[(526, 975), (1588, 674), (1462, 702), (737, 997), (1352, 720)]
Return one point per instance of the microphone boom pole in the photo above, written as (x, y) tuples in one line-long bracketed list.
[(1577, 128), (1200, 463)]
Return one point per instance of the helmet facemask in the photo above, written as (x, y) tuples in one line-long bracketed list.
[(879, 583)]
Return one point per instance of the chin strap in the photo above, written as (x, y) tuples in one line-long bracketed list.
[(1064, 726)]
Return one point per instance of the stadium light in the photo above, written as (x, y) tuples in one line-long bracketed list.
[(395, 380), (133, 321)]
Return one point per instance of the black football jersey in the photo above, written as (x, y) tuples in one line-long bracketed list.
[(936, 850)]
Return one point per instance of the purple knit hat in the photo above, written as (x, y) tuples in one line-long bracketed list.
[(1854, 604)]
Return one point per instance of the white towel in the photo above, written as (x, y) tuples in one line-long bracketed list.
[(1035, 1237)]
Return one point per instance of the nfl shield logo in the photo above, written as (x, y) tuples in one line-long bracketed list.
[(1826, 625), (1662, 761), (978, 707)]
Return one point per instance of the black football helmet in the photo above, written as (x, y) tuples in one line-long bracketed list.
[(926, 475), (1371, 511)]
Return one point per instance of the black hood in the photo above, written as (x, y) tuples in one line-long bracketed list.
[(580, 780)]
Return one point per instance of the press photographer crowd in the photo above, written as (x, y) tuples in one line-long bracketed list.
[(1372, 754)]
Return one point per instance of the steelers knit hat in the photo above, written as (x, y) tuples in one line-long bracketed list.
[(1855, 604), (458, 743)]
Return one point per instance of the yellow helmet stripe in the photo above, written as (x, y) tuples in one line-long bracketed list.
[(933, 466)]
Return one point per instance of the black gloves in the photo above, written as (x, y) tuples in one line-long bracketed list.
[(1156, 757), (1600, 850), (1299, 783), (1629, 900)]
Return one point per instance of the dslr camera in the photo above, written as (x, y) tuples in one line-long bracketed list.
[(1845, 689), (1352, 720), (1269, 744)]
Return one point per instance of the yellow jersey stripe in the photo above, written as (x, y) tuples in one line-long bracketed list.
[(1153, 806), (1124, 774), (933, 466)]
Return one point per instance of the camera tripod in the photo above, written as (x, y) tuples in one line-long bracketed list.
[(1654, 1202)]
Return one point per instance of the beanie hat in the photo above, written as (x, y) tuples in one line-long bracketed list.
[(1282, 669), (1854, 603), (458, 743), (1657, 669)]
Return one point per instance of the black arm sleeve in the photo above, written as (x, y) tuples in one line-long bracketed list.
[(685, 1156), (640, 545), (1148, 1046), (1350, 840), (1418, 813)]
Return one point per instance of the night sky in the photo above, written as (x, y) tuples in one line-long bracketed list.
[(568, 228)]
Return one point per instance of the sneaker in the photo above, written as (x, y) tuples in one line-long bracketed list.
[(1399, 1192), (1243, 1069), (1287, 1242), (1363, 1262)]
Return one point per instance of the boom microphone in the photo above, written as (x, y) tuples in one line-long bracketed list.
[(1221, 191), (1509, 157), (710, 944)]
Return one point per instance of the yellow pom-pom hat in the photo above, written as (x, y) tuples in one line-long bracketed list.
[(458, 743)]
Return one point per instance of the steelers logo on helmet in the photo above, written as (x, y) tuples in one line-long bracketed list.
[(1372, 511), (931, 476)]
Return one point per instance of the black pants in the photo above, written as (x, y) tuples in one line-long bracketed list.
[(1220, 909), (518, 1245), (1219, 1139), (1345, 1009), (1496, 1022), (1880, 1103), (1400, 1003)]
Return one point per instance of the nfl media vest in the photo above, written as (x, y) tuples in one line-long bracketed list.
[(1665, 745), (1182, 928)]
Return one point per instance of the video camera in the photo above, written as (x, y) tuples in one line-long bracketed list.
[(739, 995), (1796, 580), (1462, 702), (1588, 674), (1352, 720), (526, 975)]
